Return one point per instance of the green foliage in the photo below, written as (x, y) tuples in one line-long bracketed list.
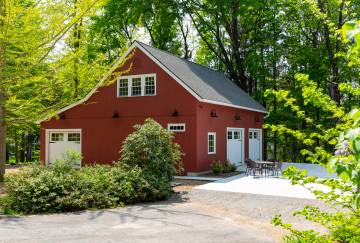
[(62, 188), (222, 167), (151, 148), (344, 192)]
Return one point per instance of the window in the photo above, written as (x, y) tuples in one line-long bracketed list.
[(74, 137), (236, 135), (123, 87), (255, 135), (176, 127), (137, 85), (211, 143), (56, 137), (149, 85), (229, 133), (250, 135)]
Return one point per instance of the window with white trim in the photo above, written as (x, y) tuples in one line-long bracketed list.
[(136, 85), (74, 137), (150, 85), (57, 137), (123, 85), (176, 127), (211, 143)]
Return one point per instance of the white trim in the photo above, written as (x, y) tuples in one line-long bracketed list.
[(176, 124), (102, 80), (171, 74), (261, 145), (214, 134), (130, 78), (47, 140), (231, 105), (117, 63), (242, 139)]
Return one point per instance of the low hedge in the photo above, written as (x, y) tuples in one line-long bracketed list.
[(61, 188)]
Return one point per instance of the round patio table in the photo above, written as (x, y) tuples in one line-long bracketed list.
[(264, 164)]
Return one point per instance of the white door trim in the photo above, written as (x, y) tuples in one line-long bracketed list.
[(47, 140), (242, 144), (261, 144)]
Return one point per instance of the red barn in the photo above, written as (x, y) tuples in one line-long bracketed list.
[(212, 118)]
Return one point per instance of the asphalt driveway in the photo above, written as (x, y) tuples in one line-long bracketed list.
[(189, 216)]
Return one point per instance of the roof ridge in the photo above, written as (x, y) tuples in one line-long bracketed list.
[(183, 59)]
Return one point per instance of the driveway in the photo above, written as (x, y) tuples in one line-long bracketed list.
[(189, 216)]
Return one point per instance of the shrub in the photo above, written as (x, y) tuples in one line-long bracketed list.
[(61, 188), (228, 167), (216, 167), (222, 167), (343, 226), (151, 148)]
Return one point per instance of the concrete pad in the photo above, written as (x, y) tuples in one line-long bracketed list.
[(262, 186)]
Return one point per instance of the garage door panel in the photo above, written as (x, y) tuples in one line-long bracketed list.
[(62, 142), (235, 140)]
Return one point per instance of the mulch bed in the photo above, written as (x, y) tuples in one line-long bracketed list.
[(222, 175)]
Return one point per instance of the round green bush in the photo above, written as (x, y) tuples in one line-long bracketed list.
[(151, 147)]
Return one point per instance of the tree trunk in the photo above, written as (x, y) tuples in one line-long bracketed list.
[(76, 46), (2, 94), (334, 85), (29, 146), (16, 147)]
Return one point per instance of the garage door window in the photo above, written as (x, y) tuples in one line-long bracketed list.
[(74, 137), (56, 137)]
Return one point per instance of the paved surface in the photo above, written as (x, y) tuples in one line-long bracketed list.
[(195, 216), (271, 186), (261, 186)]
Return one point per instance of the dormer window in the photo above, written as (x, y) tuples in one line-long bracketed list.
[(136, 85)]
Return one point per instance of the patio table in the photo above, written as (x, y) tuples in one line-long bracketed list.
[(263, 164)]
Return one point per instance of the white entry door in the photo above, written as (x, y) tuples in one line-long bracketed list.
[(62, 141), (235, 146), (255, 144)]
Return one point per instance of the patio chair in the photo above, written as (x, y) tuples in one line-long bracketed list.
[(277, 169), (255, 167), (248, 167)]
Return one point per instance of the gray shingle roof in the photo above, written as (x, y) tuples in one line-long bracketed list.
[(205, 82)]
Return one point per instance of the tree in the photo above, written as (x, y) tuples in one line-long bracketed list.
[(27, 85)]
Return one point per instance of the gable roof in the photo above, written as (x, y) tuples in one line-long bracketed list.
[(205, 84), (209, 85)]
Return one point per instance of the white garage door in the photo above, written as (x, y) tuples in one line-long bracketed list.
[(235, 149), (62, 141), (255, 144)]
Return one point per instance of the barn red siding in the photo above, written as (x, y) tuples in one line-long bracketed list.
[(225, 118), (103, 135)]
